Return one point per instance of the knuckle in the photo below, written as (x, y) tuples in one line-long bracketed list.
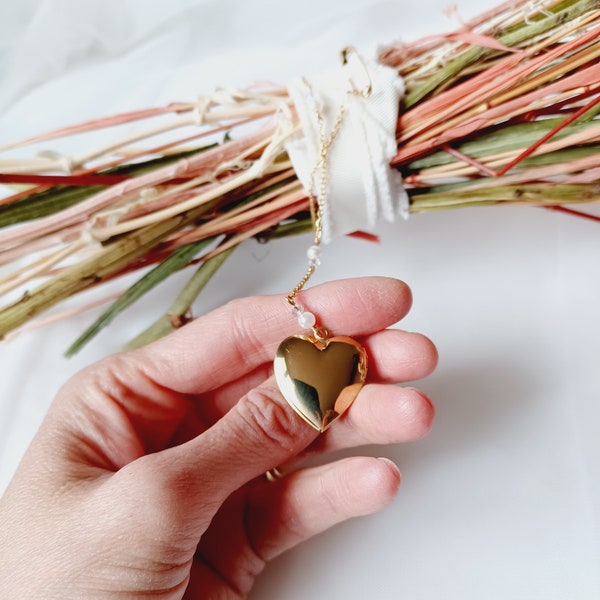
[(292, 523), (245, 317), (238, 311), (102, 377), (268, 420)]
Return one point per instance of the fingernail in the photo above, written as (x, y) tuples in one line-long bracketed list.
[(391, 463), (422, 394), (394, 468)]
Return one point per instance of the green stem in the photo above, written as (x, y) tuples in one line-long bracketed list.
[(174, 262), (108, 261), (548, 194), (177, 313), (504, 139), (287, 229)]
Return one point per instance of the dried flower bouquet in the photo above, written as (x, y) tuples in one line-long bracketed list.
[(504, 110)]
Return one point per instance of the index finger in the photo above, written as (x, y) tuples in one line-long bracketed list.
[(240, 336)]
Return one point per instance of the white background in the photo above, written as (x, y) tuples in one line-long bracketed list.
[(501, 500)]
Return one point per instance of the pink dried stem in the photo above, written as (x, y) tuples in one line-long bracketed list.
[(202, 162), (94, 124), (480, 93), (485, 170), (490, 115)]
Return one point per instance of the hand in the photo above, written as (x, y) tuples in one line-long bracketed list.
[(146, 478)]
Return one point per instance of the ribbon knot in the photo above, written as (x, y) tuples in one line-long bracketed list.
[(361, 185)]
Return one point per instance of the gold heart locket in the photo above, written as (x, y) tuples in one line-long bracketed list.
[(320, 376)]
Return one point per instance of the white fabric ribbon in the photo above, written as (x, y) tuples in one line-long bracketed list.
[(361, 186)]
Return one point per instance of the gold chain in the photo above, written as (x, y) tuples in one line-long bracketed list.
[(317, 203)]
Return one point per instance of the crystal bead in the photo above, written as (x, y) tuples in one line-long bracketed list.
[(314, 255), (297, 309)]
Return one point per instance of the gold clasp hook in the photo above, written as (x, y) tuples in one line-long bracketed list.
[(367, 89)]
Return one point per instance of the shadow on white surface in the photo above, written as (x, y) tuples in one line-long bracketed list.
[(469, 521)]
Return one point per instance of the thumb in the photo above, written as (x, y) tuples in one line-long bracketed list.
[(259, 433)]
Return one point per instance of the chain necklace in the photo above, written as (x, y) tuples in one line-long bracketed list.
[(320, 375)]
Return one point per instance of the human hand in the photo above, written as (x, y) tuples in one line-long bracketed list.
[(146, 478)]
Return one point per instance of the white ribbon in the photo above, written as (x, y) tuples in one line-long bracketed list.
[(361, 186)]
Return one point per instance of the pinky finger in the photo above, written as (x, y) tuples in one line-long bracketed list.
[(304, 503)]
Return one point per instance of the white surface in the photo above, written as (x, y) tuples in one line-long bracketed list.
[(501, 500)]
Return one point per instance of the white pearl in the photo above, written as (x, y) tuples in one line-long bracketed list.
[(306, 320), (313, 252)]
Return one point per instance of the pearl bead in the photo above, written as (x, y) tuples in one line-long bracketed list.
[(313, 252), (306, 320)]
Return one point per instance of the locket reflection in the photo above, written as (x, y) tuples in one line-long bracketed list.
[(320, 378)]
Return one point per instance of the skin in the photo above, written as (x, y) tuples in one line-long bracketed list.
[(146, 478)]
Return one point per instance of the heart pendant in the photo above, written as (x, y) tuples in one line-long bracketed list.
[(320, 377)]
